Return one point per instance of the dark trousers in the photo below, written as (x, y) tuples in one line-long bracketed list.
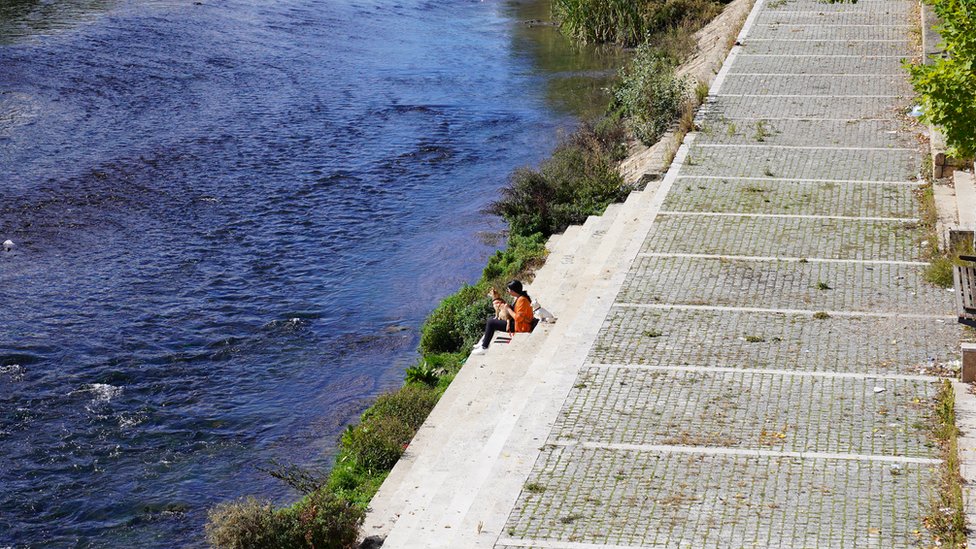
[(491, 326)]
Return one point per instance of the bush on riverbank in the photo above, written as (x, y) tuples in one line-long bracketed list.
[(317, 521), (629, 22), (579, 180), (649, 96), (456, 321)]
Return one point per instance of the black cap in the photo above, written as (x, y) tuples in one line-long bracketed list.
[(515, 286)]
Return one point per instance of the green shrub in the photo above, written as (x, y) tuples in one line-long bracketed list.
[(522, 255), (245, 524), (947, 87), (378, 443), (449, 363), (422, 373), (579, 180), (410, 404), (649, 95), (360, 487), (322, 521), (457, 322), (939, 272)]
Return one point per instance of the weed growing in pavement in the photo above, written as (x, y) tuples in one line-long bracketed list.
[(762, 131), (946, 519)]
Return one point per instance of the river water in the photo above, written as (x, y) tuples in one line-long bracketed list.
[(230, 218)]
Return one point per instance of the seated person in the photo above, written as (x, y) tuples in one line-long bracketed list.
[(521, 319)]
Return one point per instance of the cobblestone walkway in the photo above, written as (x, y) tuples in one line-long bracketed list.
[(761, 378)]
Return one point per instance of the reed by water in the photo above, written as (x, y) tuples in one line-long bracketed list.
[(629, 22)]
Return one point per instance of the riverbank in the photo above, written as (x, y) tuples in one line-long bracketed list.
[(369, 448), (587, 264), (217, 256), (747, 350)]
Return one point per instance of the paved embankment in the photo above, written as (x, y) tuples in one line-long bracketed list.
[(750, 362)]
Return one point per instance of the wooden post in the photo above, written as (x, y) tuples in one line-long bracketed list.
[(968, 362)]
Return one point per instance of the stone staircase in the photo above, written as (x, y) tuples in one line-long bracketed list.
[(458, 481), (480, 442)]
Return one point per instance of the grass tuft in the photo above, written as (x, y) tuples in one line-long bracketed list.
[(946, 519)]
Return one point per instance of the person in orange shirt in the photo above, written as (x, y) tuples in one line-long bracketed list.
[(521, 315)]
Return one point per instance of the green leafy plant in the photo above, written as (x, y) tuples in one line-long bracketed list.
[(245, 523), (701, 92), (318, 520), (947, 87), (422, 373), (321, 520), (947, 518), (650, 96), (410, 404), (762, 131), (378, 443), (456, 322), (522, 255), (579, 180), (628, 22)]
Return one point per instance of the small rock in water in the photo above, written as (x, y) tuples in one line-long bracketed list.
[(8, 245)]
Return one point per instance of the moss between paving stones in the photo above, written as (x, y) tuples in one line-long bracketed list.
[(947, 519)]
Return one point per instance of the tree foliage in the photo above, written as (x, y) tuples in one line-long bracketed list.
[(947, 88)]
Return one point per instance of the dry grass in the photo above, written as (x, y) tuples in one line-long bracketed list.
[(946, 519)]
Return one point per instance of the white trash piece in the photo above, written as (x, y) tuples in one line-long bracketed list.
[(8, 245)]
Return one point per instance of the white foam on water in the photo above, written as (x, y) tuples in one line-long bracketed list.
[(129, 421), (15, 371), (101, 392)]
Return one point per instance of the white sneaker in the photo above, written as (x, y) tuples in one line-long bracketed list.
[(479, 351)]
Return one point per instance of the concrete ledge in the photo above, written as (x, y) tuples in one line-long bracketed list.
[(966, 422), (965, 198), (946, 213)]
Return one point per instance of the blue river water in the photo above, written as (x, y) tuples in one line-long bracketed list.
[(230, 218)]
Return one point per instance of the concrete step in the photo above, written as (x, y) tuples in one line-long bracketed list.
[(465, 418), (562, 255), (549, 287), (453, 460), (567, 240), (481, 398), (565, 244), (481, 439), (553, 239)]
